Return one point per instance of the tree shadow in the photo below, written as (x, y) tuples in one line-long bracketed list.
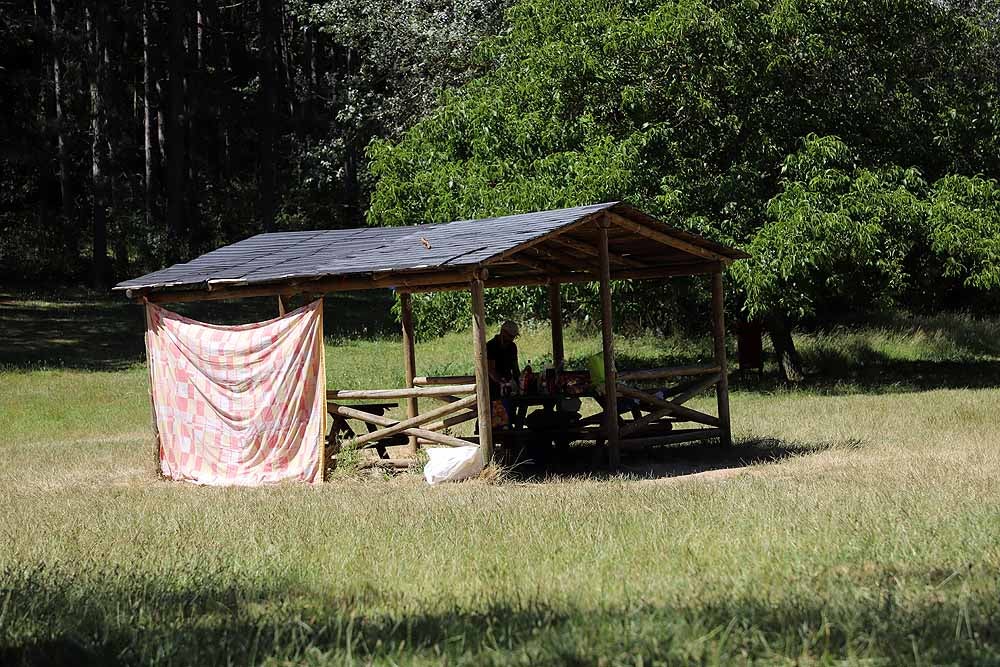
[(879, 374), (89, 332), (117, 623), (588, 461)]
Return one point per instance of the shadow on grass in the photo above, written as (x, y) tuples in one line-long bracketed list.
[(148, 622), (677, 461), (883, 375), (106, 334)]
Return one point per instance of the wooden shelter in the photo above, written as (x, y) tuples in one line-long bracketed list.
[(600, 242)]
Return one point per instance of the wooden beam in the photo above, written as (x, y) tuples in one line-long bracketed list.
[(157, 468), (341, 394), (423, 380), (665, 239), (650, 273), (586, 249), (438, 438), (596, 215), (642, 423), (555, 319), (322, 379), (400, 426), (452, 421), (636, 425), (281, 306), (608, 343), (484, 407), (563, 262), (403, 280), (719, 341), (669, 372), (682, 413), (409, 359), (687, 435)]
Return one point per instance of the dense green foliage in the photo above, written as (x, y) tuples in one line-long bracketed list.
[(698, 112)]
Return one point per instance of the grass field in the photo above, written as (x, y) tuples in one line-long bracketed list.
[(856, 521)]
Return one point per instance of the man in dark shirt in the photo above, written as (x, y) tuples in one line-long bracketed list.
[(501, 357)]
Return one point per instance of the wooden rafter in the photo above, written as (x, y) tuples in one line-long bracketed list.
[(666, 239), (581, 247)]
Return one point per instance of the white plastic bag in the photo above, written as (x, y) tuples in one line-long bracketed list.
[(451, 464)]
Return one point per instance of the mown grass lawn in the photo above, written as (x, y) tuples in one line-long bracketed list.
[(866, 530)]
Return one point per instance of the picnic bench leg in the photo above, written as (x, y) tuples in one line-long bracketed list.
[(482, 373), (719, 339), (607, 338), (409, 360), (555, 317)]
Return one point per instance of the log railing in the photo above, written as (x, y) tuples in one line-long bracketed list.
[(423, 427), (653, 427)]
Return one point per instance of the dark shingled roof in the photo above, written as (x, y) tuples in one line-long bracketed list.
[(284, 256)]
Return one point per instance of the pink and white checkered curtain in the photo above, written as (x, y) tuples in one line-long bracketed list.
[(239, 405)]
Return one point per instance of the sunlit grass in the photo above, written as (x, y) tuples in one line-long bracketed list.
[(877, 541)]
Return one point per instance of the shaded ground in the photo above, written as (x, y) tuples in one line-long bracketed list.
[(674, 462), (82, 331)]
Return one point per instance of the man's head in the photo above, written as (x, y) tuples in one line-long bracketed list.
[(509, 331)]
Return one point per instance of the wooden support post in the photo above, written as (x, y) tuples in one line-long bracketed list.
[(281, 306), (610, 381), (482, 370), (409, 359), (719, 338), (322, 387), (555, 317), (157, 468)]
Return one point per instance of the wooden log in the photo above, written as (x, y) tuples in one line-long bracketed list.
[(214, 291), (679, 410), (438, 438), (636, 425), (691, 390), (586, 249), (452, 421), (666, 239), (398, 427), (322, 378), (424, 380), (484, 408), (719, 341), (157, 468), (353, 394), (651, 273), (608, 344), (555, 318), (409, 359), (687, 435), (395, 464), (668, 372)]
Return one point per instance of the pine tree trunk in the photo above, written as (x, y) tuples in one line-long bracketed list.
[(789, 361), (269, 26), (95, 34), (174, 134), (72, 248), (149, 130)]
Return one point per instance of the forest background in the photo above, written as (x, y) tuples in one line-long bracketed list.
[(852, 148)]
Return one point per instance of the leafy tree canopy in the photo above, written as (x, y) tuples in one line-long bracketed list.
[(696, 111)]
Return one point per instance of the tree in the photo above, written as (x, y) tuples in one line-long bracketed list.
[(688, 109)]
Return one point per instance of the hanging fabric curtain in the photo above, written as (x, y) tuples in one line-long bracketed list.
[(239, 405)]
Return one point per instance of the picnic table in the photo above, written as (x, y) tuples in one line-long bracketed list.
[(340, 428)]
